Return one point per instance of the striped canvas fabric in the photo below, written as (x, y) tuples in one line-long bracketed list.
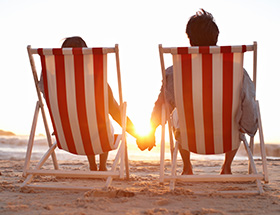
[(207, 85), (75, 84)]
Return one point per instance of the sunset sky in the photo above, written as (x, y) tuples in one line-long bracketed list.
[(138, 27)]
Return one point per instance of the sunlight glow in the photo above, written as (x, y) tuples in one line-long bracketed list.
[(143, 129), (138, 36)]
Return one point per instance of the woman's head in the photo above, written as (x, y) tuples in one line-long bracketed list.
[(73, 42)]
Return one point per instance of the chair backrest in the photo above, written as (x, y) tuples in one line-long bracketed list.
[(207, 87), (76, 93)]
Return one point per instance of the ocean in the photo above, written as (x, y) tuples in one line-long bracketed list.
[(14, 148)]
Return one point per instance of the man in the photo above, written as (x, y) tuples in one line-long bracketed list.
[(203, 31)]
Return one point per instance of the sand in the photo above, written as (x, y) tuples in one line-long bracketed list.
[(141, 194)]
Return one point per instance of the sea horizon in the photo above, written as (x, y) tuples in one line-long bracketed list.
[(15, 146)]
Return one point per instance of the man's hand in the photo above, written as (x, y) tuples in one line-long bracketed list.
[(145, 142)]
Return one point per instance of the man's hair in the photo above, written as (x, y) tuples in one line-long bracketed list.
[(202, 29), (73, 42)]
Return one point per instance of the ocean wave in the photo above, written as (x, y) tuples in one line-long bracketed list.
[(271, 150), (21, 140)]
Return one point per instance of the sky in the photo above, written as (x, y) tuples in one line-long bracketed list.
[(138, 27)]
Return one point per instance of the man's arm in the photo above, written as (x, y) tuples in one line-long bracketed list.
[(247, 113)]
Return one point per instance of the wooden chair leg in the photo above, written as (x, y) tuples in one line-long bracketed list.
[(252, 164), (114, 166), (126, 162), (252, 151), (174, 166), (40, 164), (162, 146), (54, 159), (31, 139), (262, 146)]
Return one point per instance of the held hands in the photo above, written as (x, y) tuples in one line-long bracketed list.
[(144, 142)]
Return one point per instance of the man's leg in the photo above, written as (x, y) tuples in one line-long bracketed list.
[(187, 165), (229, 156), (103, 161), (92, 164)]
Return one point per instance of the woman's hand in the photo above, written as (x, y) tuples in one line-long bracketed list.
[(144, 142)]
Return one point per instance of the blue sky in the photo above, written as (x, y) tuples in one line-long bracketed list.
[(138, 27)]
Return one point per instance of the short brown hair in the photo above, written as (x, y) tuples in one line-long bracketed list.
[(202, 29)]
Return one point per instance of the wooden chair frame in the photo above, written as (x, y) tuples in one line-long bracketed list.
[(121, 157), (252, 175)]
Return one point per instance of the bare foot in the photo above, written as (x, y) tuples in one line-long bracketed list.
[(225, 170), (102, 168), (187, 171), (93, 167), (91, 161)]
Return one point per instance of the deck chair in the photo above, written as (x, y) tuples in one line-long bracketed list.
[(76, 94), (207, 86)]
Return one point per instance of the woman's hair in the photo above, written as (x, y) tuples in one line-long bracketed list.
[(73, 42), (202, 29)]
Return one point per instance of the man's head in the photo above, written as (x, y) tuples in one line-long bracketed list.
[(74, 42), (202, 29)]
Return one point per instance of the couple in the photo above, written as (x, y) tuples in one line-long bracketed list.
[(202, 31)]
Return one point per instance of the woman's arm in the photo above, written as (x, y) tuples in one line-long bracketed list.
[(115, 112)]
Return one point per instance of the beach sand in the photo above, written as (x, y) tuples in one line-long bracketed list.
[(141, 194)]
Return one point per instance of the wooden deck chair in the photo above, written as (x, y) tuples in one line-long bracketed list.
[(76, 94), (207, 86)]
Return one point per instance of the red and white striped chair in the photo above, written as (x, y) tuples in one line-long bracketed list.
[(76, 94), (207, 86)]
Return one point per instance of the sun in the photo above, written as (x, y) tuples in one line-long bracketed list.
[(143, 128)]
